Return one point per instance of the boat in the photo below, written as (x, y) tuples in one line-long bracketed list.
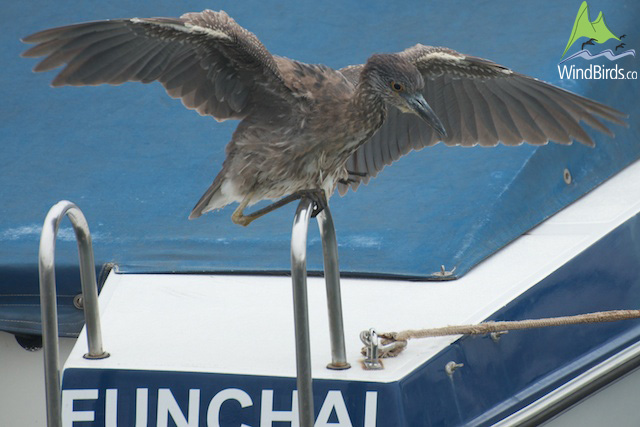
[(194, 323)]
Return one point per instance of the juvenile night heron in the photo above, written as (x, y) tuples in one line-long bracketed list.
[(306, 130)]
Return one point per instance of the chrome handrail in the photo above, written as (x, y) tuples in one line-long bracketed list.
[(300, 303), (334, 298), (301, 312), (48, 306)]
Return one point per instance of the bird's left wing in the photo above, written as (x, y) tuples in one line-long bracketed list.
[(209, 61), (479, 103)]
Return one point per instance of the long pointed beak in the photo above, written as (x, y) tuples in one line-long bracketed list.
[(419, 105)]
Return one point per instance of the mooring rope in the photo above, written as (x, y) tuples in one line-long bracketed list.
[(394, 342)]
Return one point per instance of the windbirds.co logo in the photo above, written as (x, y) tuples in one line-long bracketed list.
[(595, 32)]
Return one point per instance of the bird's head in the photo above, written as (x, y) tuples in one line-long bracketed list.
[(399, 83)]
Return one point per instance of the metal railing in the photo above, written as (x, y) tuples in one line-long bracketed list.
[(48, 306), (92, 317), (300, 304)]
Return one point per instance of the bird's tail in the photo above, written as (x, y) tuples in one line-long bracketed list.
[(213, 198)]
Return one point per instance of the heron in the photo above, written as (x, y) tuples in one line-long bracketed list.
[(307, 130)]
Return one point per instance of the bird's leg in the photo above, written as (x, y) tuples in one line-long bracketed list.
[(317, 196), (348, 181), (238, 217)]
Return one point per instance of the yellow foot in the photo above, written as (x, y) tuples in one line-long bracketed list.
[(241, 219)]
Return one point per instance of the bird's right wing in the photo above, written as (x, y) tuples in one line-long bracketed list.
[(214, 65), (478, 102)]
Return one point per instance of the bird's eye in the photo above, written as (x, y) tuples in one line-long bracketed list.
[(398, 87)]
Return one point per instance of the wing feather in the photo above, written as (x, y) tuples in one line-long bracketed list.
[(213, 64), (479, 102), (524, 120), (505, 127)]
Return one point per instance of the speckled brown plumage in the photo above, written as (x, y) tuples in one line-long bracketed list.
[(309, 127)]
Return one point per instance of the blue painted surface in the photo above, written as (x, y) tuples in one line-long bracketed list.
[(136, 161), (353, 394), (497, 379)]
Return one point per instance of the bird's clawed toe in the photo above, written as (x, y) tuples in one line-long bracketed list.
[(318, 198), (316, 210)]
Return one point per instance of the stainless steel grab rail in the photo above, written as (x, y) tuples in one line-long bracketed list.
[(334, 297), (92, 318), (48, 306), (300, 305)]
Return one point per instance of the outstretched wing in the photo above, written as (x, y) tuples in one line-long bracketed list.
[(217, 67), (478, 102)]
